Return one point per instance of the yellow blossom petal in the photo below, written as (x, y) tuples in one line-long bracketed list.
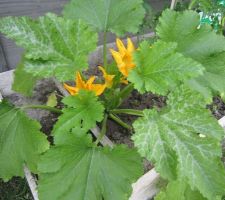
[(79, 82), (124, 80), (108, 78), (117, 57), (121, 47), (124, 58), (98, 88), (124, 70), (72, 90), (130, 46), (90, 80)]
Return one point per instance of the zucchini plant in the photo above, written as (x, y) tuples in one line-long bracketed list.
[(185, 62)]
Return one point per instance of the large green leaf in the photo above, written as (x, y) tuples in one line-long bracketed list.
[(201, 44), (179, 190), (182, 28), (117, 16), (160, 67), (54, 46), (21, 142), (184, 139), (82, 112), (88, 172), (23, 82), (213, 80)]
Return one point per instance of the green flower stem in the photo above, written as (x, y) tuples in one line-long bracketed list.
[(127, 111), (119, 121), (103, 130), (43, 107), (105, 50), (125, 92)]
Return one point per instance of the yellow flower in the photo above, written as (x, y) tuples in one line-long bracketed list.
[(124, 80), (124, 57), (108, 78), (82, 85)]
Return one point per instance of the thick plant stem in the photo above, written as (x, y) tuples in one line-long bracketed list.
[(125, 92), (42, 107), (103, 130), (128, 111), (119, 121), (105, 50)]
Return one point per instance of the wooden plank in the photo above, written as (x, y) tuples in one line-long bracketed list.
[(33, 8), (6, 80), (11, 51), (3, 63)]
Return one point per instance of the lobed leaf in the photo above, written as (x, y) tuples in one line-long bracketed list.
[(117, 16), (21, 142), (23, 82), (87, 171), (192, 41), (179, 190), (201, 44), (54, 46), (212, 81), (160, 67), (82, 112), (184, 140)]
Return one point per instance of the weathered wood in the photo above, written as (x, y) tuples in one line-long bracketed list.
[(3, 63), (31, 182), (6, 80), (31, 8), (146, 187)]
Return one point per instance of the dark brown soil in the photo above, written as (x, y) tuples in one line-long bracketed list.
[(217, 107), (15, 189), (120, 135)]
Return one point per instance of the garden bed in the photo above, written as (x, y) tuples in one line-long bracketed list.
[(47, 120), (145, 187), (172, 129)]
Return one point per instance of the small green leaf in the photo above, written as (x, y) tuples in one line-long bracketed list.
[(24, 82), (82, 112), (54, 46), (179, 190), (87, 171), (21, 142), (184, 139), (160, 67), (117, 16), (52, 100)]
